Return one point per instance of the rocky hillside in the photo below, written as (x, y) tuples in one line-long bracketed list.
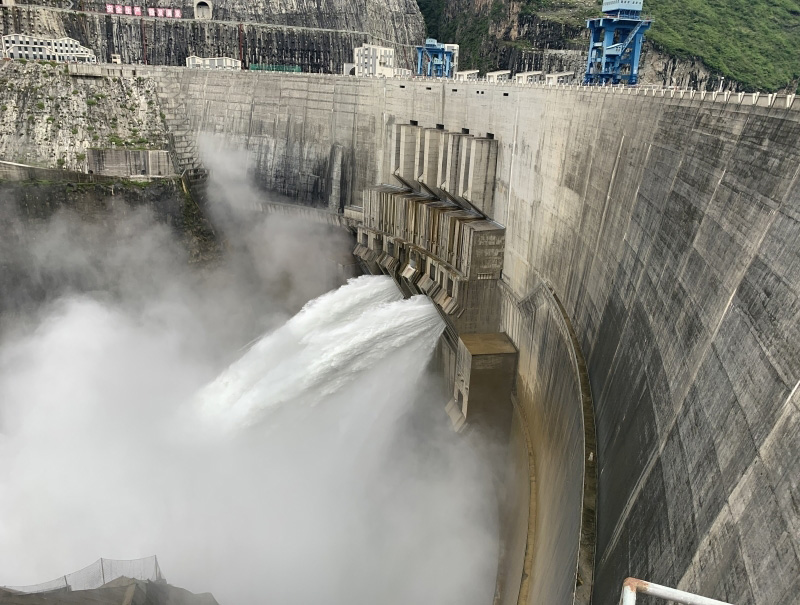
[(315, 35), (390, 18), (49, 118), (692, 43)]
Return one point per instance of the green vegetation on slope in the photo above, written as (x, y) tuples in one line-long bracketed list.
[(469, 30), (433, 13), (756, 42), (472, 34)]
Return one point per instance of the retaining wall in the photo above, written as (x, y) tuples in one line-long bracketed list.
[(129, 162)]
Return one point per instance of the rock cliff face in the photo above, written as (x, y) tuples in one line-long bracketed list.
[(316, 35), (49, 118), (31, 204), (542, 59), (500, 35), (662, 69), (387, 16)]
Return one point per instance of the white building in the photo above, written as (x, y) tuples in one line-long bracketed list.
[(372, 60), (454, 49), (466, 75), (67, 50), (501, 75), (560, 77), (528, 77), (196, 62), (622, 5)]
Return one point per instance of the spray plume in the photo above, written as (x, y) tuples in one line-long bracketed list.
[(317, 465)]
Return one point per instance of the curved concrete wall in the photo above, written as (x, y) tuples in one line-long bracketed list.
[(548, 399), (670, 230)]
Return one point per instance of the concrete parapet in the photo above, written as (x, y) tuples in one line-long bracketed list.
[(85, 69), (107, 70)]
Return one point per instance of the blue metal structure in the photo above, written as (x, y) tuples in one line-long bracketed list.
[(615, 44), (434, 60)]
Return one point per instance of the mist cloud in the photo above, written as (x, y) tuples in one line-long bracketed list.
[(112, 335)]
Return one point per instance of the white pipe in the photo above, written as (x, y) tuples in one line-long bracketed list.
[(628, 595), (632, 586)]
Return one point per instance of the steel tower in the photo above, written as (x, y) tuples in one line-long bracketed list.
[(436, 60), (616, 43)]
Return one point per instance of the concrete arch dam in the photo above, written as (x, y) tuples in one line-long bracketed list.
[(643, 248)]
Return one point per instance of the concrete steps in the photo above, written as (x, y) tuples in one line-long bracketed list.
[(184, 146)]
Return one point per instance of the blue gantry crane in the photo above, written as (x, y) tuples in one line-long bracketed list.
[(616, 43), (436, 60)]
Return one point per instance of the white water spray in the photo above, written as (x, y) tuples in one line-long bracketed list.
[(347, 485), (326, 346)]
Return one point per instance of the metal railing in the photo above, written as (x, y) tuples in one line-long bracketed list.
[(631, 587), (98, 574)]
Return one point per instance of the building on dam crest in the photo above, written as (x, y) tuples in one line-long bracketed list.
[(195, 62)]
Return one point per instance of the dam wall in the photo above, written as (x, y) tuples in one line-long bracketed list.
[(668, 228), (547, 406), (301, 134)]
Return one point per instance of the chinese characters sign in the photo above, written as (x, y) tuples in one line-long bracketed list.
[(136, 11)]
